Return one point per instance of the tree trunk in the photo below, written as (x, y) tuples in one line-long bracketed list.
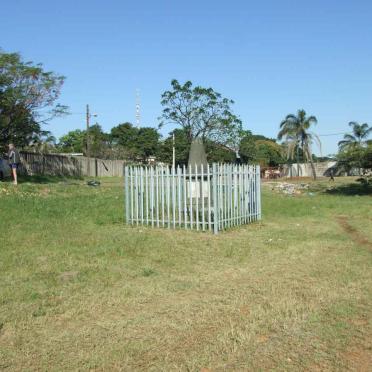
[(298, 161), (313, 169)]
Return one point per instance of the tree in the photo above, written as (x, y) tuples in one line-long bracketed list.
[(45, 143), (182, 147), (355, 149), (99, 142), (73, 141), (247, 147), (28, 97), (124, 134), (76, 141), (201, 112), (147, 142), (138, 142), (367, 158), (295, 130), (268, 153), (355, 157), (260, 149), (359, 136), (218, 153), (124, 140)]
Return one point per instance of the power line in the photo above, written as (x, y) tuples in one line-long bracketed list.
[(331, 134)]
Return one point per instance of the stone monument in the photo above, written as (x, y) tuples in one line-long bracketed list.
[(197, 159)]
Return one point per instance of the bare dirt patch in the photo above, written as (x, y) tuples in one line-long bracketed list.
[(356, 235), (68, 275), (359, 359)]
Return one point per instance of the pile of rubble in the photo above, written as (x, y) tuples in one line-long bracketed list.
[(291, 188)]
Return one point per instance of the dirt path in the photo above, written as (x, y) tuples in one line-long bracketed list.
[(358, 359), (356, 235), (358, 356)]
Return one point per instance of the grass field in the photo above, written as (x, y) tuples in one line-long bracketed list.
[(79, 290)]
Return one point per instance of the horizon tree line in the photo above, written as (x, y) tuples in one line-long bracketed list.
[(29, 98)]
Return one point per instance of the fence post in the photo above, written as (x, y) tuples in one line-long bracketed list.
[(215, 204), (259, 191), (126, 181)]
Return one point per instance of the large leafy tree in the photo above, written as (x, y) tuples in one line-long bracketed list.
[(202, 113), (73, 141), (99, 142), (247, 147), (181, 144), (124, 134), (268, 153), (28, 99), (76, 141), (358, 137), (260, 149), (138, 143), (355, 157), (295, 130), (124, 140), (217, 153), (147, 142), (45, 144)]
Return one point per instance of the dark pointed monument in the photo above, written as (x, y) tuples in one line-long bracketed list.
[(198, 185), (197, 155)]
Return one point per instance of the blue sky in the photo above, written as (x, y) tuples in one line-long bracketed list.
[(271, 57)]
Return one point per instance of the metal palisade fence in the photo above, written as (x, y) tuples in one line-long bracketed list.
[(206, 198)]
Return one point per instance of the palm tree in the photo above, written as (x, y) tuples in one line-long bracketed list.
[(295, 130), (355, 141), (360, 133)]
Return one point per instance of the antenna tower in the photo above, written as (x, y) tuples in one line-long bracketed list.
[(138, 109)]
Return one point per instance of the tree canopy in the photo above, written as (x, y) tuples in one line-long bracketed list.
[(140, 143), (182, 147), (124, 141), (201, 112), (261, 150), (73, 141), (355, 150), (28, 99), (358, 137)]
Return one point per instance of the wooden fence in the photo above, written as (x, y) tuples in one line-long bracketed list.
[(64, 165), (198, 198)]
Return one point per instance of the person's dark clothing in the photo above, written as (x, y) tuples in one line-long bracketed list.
[(13, 157)]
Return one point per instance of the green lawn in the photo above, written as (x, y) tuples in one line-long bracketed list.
[(79, 290)]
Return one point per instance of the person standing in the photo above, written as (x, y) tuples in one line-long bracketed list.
[(332, 175), (14, 160)]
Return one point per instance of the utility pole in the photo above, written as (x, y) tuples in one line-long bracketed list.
[(174, 153), (88, 144), (88, 116)]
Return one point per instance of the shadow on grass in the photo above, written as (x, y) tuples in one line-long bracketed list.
[(350, 190), (48, 179)]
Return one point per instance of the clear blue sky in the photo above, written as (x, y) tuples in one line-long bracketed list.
[(271, 57)]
